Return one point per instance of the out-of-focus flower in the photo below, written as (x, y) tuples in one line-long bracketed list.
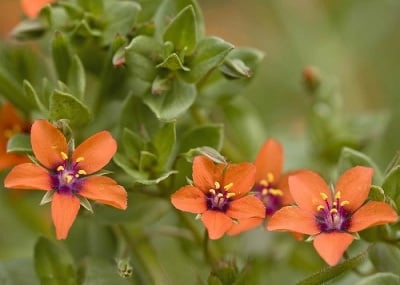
[(11, 123), (219, 194), (32, 8), (332, 220), (68, 174)]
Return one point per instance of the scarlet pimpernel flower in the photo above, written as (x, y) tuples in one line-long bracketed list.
[(332, 219), (68, 175), (32, 8), (271, 185), (220, 194), (11, 123)]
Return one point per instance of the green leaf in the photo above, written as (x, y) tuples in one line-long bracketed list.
[(29, 29), (350, 158), (385, 258), (376, 193), (200, 136), (173, 103), (138, 117), (128, 167), (380, 278), (62, 55), (66, 106), (168, 9), (120, 18), (164, 142), (158, 179), (19, 143), (132, 143), (173, 62), (77, 78), (53, 263), (330, 273), (209, 53), (182, 31), (12, 91), (391, 185), (31, 93), (93, 6), (235, 69), (147, 161)]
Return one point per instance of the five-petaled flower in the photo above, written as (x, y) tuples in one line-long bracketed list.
[(32, 8), (220, 195), (332, 219), (271, 185), (11, 123), (68, 174)]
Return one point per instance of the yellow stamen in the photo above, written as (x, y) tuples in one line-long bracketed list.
[(60, 168), (8, 133), (77, 175), (217, 185), (82, 172), (276, 192), (230, 195), (79, 159), (338, 195), (270, 177), (264, 182), (264, 191), (334, 204), (333, 211), (64, 155), (69, 178), (344, 203), (212, 191), (228, 186), (320, 207), (220, 195), (324, 196)]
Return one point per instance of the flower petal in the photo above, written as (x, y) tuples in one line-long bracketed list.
[(32, 7), (28, 176), (217, 223), (306, 188), (105, 190), (293, 219), (244, 225), (354, 186), (48, 143), (331, 246), (205, 173), (189, 199), (96, 152), (64, 209), (371, 214), (283, 185), (246, 207), (269, 160), (10, 159), (10, 119), (241, 176)]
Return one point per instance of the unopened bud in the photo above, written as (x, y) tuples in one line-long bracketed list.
[(311, 78)]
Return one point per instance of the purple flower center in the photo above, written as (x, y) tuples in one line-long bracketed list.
[(66, 178), (269, 195), (218, 198), (333, 216)]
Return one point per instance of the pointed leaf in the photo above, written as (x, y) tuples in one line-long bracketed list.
[(29, 29), (133, 144), (66, 106), (175, 102), (158, 179), (173, 62), (20, 143), (127, 166), (330, 273), (200, 136), (164, 142), (77, 78), (391, 185), (53, 263), (147, 161), (62, 55), (93, 6), (182, 31), (209, 53), (30, 92)]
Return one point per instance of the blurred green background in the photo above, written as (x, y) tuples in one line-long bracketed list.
[(355, 43)]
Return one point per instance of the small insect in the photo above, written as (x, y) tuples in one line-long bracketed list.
[(125, 269)]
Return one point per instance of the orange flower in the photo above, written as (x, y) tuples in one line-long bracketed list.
[(11, 123), (32, 8), (219, 194), (271, 186), (68, 175), (332, 219)]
